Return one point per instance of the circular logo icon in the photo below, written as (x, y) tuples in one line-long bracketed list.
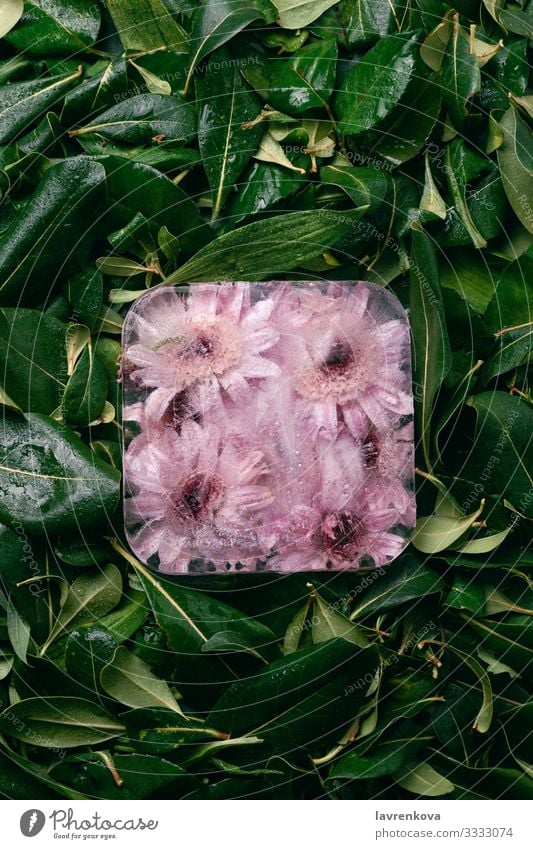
[(32, 822)]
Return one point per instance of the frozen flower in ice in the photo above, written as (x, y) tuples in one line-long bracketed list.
[(277, 429), (388, 458), (343, 362), (331, 515), (211, 342), (199, 494), (340, 536)]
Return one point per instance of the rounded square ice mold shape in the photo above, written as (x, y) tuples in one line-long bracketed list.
[(268, 427)]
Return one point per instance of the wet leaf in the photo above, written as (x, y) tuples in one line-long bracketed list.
[(129, 680), (49, 480)]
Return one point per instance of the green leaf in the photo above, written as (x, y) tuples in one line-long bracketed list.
[(328, 623), (295, 14), (10, 13), (84, 292), (146, 25), (89, 597), (515, 158), (86, 391), (420, 778), (124, 776), (33, 362), (18, 632), (373, 87), (502, 457), (431, 201), (59, 722), (103, 83), (460, 75), (386, 758), (129, 680), (366, 21), (23, 103), (214, 22), (265, 248), (49, 28), (139, 119), (301, 82), (436, 533), (88, 649), (224, 103), (50, 480), (407, 581), (431, 347), (402, 134), (251, 702), (364, 186), (134, 187), (37, 246), (515, 350)]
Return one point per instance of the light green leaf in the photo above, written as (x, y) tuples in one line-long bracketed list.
[(10, 13), (90, 597), (436, 533), (294, 14), (420, 778), (129, 680)]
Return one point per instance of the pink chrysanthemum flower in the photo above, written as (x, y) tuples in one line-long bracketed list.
[(388, 458), (340, 536), (199, 494), (343, 362), (209, 344)]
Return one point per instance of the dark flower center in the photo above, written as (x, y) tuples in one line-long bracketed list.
[(339, 356), (201, 345), (177, 412), (341, 533), (199, 495), (371, 450)]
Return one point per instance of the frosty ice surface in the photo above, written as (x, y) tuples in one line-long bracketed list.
[(268, 427)]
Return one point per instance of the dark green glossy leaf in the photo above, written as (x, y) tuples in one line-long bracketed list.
[(214, 22), (515, 158), (135, 187), (59, 721), (283, 684), (261, 188), (49, 28), (225, 103), (103, 84), (373, 87), (431, 347), (145, 25), (86, 390), (364, 186), (276, 245), (49, 480), (460, 75), (23, 103), (33, 361), (387, 757), (124, 777), (139, 119), (396, 586), (87, 651), (48, 236), (402, 134), (502, 455), (301, 82)]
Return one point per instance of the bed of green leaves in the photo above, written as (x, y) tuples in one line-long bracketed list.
[(153, 141)]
